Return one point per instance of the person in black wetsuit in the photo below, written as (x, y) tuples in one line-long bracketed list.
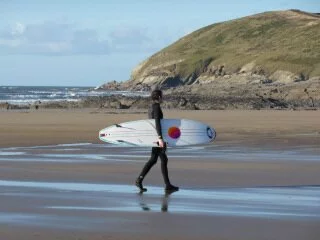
[(155, 112)]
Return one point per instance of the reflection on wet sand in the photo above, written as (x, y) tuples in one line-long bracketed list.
[(164, 202), (99, 152), (73, 199), (275, 202)]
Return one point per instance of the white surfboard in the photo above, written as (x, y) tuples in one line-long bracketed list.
[(175, 132)]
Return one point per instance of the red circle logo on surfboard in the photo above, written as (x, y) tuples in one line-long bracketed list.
[(174, 132)]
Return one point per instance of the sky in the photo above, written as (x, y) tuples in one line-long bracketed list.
[(89, 43)]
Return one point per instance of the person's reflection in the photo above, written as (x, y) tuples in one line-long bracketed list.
[(142, 203), (164, 202)]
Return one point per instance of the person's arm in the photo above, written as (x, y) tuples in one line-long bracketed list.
[(157, 116)]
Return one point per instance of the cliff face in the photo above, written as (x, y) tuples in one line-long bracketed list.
[(281, 47)]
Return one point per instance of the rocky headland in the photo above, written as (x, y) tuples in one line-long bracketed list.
[(268, 60)]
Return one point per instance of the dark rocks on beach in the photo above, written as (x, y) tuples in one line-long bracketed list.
[(115, 102), (113, 85), (57, 105), (195, 102), (9, 106), (186, 101), (5, 105), (265, 81), (124, 86)]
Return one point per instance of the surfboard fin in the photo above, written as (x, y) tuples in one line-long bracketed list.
[(119, 126)]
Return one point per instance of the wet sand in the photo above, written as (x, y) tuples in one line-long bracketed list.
[(259, 180)]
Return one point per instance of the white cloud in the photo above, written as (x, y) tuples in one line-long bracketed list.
[(18, 29), (63, 38), (51, 38)]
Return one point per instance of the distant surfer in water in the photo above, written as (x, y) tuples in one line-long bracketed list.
[(155, 112)]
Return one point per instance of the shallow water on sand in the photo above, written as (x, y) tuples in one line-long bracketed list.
[(267, 202), (107, 152), (68, 204)]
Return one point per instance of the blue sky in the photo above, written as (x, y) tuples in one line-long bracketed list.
[(88, 43)]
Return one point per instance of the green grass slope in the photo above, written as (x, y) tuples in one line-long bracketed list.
[(281, 40)]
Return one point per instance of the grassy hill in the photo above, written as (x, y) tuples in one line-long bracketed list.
[(268, 42)]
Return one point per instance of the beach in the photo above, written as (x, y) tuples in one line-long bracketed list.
[(58, 126), (260, 178)]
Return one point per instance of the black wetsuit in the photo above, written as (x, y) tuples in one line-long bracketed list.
[(155, 112)]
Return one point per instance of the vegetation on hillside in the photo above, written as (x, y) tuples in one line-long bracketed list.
[(282, 40)]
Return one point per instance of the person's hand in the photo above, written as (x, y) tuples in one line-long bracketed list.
[(161, 143)]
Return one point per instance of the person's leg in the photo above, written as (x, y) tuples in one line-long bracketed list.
[(152, 161), (164, 167), (164, 170)]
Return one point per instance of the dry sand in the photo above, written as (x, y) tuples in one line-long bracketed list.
[(273, 181), (44, 127)]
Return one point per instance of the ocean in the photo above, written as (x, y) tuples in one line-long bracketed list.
[(23, 95)]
